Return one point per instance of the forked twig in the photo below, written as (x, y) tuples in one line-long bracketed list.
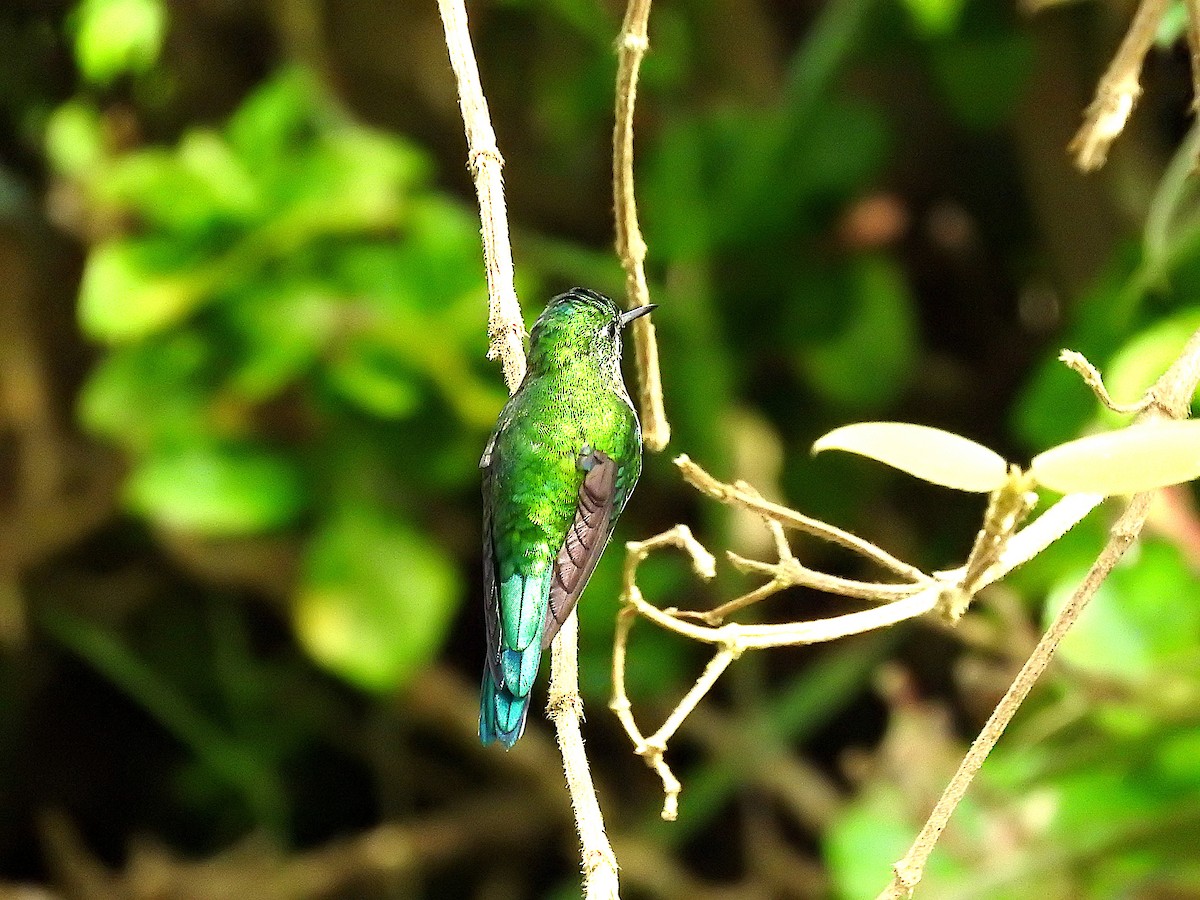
[(652, 749), (999, 548), (1170, 398)]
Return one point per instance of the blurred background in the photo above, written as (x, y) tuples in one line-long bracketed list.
[(243, 396)]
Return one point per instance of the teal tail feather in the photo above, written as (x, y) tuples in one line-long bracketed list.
[(501, 713)]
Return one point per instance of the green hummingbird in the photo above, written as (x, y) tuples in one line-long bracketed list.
[(560, 465)]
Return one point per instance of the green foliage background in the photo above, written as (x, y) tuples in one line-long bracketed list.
[(244, 395)]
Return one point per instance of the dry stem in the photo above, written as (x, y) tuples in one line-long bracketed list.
[(652, 750), (1091, 376), (566, 711), (1118, 90), (506, 331), (998, 550), (1169, 397), (1193, 39), (506, 327), (631, 247)]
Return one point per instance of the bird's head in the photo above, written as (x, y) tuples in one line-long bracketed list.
[(580, 327)]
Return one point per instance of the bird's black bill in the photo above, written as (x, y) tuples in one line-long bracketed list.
[(627, 317)]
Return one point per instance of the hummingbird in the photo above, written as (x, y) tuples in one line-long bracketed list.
[(557, 471)]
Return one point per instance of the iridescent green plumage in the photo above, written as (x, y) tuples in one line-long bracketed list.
[(558, 470)]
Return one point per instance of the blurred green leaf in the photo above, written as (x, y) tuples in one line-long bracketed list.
[(152, 392), (282, 117), (217, 490), (673, 193), (1138, 623), (867, 839), (376, 599), (353, 179), (281, 331), (371, 378), (74, 138), (1173, 24), (935, 18), (135, 288), (1143, 359), (870, 362), (113, 37), (982, 78), (192, 189)]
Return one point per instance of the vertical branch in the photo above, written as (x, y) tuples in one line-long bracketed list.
[(1193, 45), (506, 327), (631, 246), (566, 711), (1118, 89), (506, 333)]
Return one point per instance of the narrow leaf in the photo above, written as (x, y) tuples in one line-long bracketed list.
[(1138, 458), (929, 453)]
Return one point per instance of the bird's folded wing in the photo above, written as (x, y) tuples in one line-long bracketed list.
[(585, 541)]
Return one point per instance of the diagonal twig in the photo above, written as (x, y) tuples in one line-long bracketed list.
[(1169, 397)]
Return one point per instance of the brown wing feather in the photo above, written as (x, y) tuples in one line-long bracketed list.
[(586, 539), (491, 593)]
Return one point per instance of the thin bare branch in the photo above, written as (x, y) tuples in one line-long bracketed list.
[(565, 709), (631, 246), (1080, 364), (789, 518), (1118, 90), (1169, 397), (506, 327), (909, 870), (506, 332), (731, 640)]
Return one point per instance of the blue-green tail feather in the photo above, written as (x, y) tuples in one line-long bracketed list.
[(501, 713)]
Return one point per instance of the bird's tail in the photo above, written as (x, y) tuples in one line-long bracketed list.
[(501, 712)]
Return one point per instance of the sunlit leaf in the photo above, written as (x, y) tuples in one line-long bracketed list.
[(928, 453), (113, 37), (376, 599), (74, 138), (1138, 458), (935, 18), (132, 289), (217, 490)]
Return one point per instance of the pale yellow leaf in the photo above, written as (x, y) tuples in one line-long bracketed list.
[(1137, 458), (928, 453)]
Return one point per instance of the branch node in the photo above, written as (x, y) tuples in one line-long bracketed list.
[(478, 157)]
